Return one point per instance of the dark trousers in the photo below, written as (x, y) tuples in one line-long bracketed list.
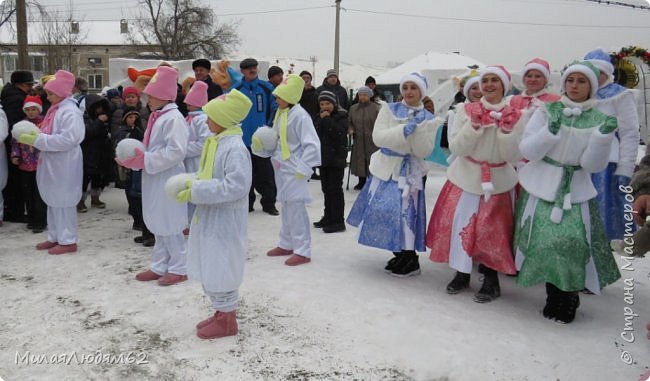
[(135, 208), (36, 208), (13, 192), (331, 183), (263, 182)]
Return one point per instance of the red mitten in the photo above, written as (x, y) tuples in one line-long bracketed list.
[(475, 115)]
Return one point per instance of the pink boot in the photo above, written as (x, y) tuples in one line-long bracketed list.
[(63, 249), (296, 260), (147, 276), (224, 324), (205, 322), (278, 252), (171, 279), (46, 245)]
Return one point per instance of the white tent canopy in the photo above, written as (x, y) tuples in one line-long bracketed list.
[(432, 65)]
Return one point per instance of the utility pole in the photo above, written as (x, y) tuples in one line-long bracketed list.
[(21, 31), (336, 35), (313, 60)]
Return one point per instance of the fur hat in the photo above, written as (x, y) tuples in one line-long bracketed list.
[(201, 62), (228, 110), (61, 84), (327, 96), (290, 90), (247, 63), (419, 80), (500, 72), (130, 90), (163, 84), (33, 101), (22, 76), (584, 67), (601, 60), (540, 65), (472, 79), (198, 94)]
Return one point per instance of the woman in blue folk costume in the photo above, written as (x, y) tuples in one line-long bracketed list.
[(559, 236), (390, 210), (618, 101)]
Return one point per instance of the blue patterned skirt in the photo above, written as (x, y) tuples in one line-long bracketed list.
[(381, 217), (611, 202)]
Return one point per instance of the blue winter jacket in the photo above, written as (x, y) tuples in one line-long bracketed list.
[(263, 109)]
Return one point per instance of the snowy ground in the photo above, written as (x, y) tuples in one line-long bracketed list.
[(338, 318)]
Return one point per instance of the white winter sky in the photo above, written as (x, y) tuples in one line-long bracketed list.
[(508, 32)]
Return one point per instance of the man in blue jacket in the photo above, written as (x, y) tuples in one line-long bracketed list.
[(262, 113)]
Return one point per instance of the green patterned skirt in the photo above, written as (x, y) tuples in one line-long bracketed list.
[(560, 253)]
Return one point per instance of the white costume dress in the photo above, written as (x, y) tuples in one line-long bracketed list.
[(293, 192), (218, 239), (60, 171), (198, 132), (163, 216)]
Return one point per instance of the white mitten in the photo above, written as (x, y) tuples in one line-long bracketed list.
[(267, 137), (24, 127), (177, 183), (126, 148)]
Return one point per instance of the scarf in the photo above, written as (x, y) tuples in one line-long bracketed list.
[(152, 119), (206, 163), (48, 121), (283, 115)]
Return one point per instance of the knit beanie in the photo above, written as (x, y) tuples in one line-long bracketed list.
[(274, 70), (130, 111), (469, 81), (500, 72), (369, 80), (327, 96), (33, 101), (540, 65), (332, 72), (130, 90), (61, 84), (163, 84), (307, 73), (588, 69), (22, 76), (112, 93), (201, 62), (601, 60), (198, 94), (228, 110), (419, 80), (365, 90), (290, 90)]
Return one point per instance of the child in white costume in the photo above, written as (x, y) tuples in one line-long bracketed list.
[(4, 132), (165, 140), (59, 172), (293, 157), (196, 120), (219, 229)]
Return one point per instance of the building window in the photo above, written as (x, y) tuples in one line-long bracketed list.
[(95, 81), (38, 63), (10, 63)]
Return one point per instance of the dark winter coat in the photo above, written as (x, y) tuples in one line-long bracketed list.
[(332, 131), (341, 94), (12, 99), (96, 146), (309, 101), (214, 90), (362, 123)]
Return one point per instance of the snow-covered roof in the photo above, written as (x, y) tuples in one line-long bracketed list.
[(431, 60)]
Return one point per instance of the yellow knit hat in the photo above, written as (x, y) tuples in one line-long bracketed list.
[(228, 110), (290, 90)]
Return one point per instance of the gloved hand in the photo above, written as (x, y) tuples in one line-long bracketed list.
[(28, 138), (410, 128), (609, 126), (299, 176), (135, 162), (475, 116), (420, 116), (554, 126), (186, 194)]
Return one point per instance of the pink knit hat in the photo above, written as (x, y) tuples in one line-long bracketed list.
[(163, 84), (198, 94), (61, 84), (500, 72), (539, 65)]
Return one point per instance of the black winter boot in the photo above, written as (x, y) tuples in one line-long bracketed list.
[(490, 289), (392, 262), (568, 303), (321, 223), (550, 309), (334, 228), (408, 265), (458, 284)]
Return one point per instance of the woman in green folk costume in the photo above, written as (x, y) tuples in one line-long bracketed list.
[(559, 237)]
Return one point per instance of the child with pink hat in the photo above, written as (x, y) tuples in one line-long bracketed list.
[(197, 122), (165, 141), (59, 170)]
